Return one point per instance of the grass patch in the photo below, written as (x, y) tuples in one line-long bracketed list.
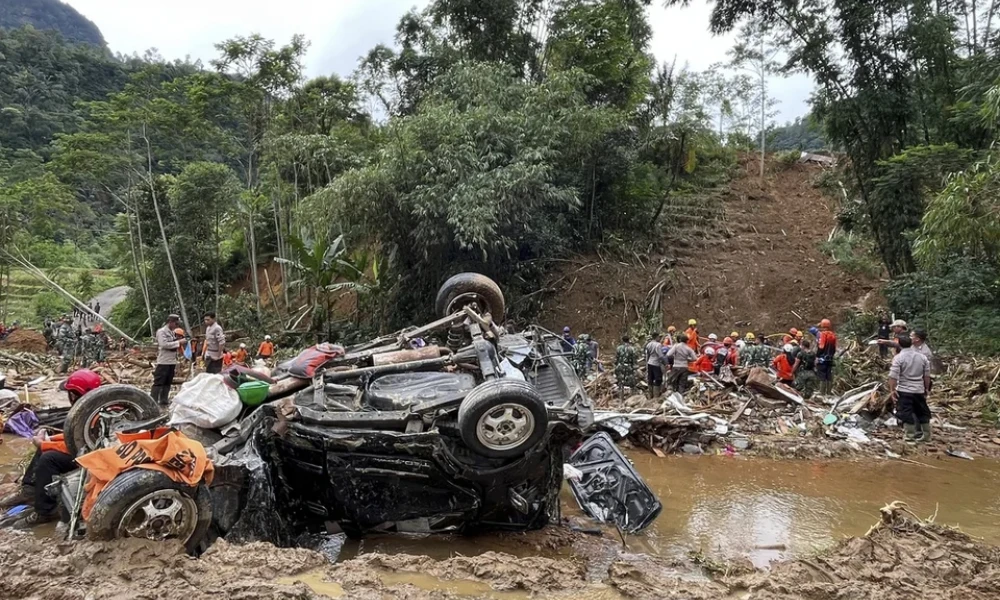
[(853, 254), (22, 299)]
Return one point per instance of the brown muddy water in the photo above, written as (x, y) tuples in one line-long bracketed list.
[(765, 510), (732, 507)]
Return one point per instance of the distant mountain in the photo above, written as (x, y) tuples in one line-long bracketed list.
[(50, 14)]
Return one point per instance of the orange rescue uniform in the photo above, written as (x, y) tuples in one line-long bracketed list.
[(56, 442), (266, 349), (692, 338), (783, 367)]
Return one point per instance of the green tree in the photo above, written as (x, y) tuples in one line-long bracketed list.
[(608, 40)]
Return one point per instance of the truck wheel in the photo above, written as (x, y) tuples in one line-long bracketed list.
[(502, 419), (90, 422), (471, 288), (146, 504)]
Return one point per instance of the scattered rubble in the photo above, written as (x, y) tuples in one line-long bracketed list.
[(752, 413)]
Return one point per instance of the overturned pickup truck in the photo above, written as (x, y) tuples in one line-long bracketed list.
[(454, 426)]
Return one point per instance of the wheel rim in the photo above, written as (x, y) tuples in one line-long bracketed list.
[(101, 423), (505, 426), (160, 515), (472, 299)]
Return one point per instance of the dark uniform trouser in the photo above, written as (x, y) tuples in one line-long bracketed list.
[(213, 366), (163, 378), (44, 466), (679, 378), (912, 409), (654, 375)]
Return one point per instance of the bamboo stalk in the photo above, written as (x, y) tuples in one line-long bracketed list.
[(41, 276)]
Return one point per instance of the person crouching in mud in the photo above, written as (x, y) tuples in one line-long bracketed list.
[(51, 458)]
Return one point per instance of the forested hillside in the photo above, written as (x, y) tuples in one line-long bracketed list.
[(501, 137), (51, 15), (909, 92)]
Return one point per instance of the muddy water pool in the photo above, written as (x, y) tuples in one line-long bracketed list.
[(764, 510), (732, 507)]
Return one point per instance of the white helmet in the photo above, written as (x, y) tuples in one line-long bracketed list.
[(243, 345), (787, 348), (267, 337), (713, 337), (710, 351)]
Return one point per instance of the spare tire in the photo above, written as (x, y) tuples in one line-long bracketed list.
[(471, 288), (90, 421), (146, 504), (502, 418)]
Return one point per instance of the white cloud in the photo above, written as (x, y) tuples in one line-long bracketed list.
[(340, 31)]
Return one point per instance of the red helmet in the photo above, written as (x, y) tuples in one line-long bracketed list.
[(81, 382)]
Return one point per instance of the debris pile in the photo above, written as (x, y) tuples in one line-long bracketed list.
[(750, 410), (25, 340)]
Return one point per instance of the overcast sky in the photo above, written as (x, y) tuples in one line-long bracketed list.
[(340, 31)]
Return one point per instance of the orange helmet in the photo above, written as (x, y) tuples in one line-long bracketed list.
[(825, 323), (179, 332), (793, 331), (728, 341)]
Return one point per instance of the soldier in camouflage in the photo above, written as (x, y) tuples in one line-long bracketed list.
[(66, 343), (753, 354), (581, 356), (92, 348), (86, 345), (626, 357)]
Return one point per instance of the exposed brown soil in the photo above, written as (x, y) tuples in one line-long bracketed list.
[(900, 557), (753, 268), (25, 340)]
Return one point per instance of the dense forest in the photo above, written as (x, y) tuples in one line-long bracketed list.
[(50, 15), (498, 137)]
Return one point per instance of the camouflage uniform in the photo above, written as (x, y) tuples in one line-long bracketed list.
[(66, 345), (581, 356), (48, 333), (92, 349), (626, 357), (754, 355)]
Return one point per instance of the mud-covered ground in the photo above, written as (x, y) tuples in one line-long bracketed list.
[(899, 558)]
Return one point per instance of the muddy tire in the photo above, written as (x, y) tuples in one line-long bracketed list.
[(502, 419), (89, 421), (146, 504), (468, 288)]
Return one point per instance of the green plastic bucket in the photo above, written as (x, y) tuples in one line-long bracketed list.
[(253, 393)]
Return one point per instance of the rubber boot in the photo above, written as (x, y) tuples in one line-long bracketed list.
[(925, 433), (657, 391), (910, 433)]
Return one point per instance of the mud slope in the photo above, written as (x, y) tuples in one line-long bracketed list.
[(746, 258)]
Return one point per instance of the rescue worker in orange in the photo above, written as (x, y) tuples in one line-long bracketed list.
[(692, 335), (783, 363), (52, 458), (705, 362), (825, 353), (227, 359), (242, 356), (728, 355), (266, 349)]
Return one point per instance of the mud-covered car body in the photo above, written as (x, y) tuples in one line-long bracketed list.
[(454, 426), (396, 461)]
